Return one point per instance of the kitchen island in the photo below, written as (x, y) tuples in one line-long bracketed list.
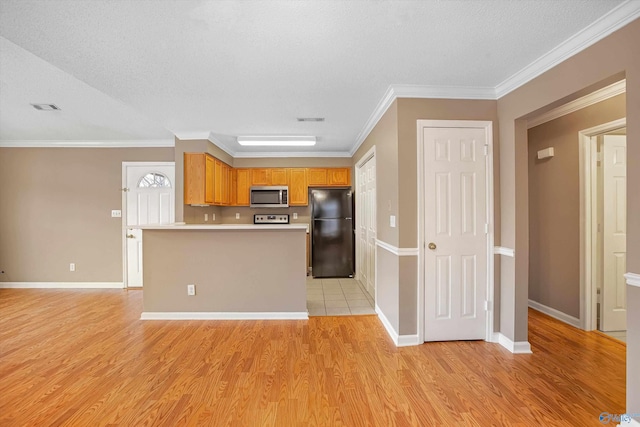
[(239, 271)]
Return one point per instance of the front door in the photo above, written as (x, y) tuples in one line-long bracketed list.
[(455, 230), (150, 200), (614, 238)]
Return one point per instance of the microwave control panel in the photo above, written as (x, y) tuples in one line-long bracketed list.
[(271, 219)]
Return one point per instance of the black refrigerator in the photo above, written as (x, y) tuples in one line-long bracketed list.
[(332, 232)]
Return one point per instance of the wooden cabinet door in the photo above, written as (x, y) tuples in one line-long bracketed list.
[(233, 187), (279, 176), (317, 176), (209, 186), (217, 193), (243, 183), (194, 178), (261, 176), (225, 184), (298, 187), (339, 176)]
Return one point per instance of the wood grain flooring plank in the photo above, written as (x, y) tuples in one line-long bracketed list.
[(83, 357)]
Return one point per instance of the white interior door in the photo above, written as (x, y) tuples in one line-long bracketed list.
[(361, 207), (366, 210), (150, 200), (455, 213), (614, 169)]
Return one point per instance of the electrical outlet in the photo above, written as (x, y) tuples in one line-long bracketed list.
[(237, 215), (392, 221), (295, 215), (206, 217), (72, 266), (116, 213), (213, 217), (191, 290)]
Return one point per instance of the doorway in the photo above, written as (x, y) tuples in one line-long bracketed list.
[(455, 228), (603, 196), (366, 222), (148, 198)]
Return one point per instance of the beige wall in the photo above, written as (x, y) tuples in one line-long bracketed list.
[(384, 137), (395, 139), (554, 205), (588, 70), (55, 209), (234, 271)]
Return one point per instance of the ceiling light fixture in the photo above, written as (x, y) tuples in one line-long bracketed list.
[(45, 107), (277, 140), (310, 119)]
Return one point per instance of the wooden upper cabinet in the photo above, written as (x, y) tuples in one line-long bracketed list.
[(243, 183), (298, 187), (261, 176), (279, 176), (198, 179), (337, 177), (217, 196), (233, 187), (317, 176)]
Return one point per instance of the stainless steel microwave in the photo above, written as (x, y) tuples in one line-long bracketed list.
[(270, 197)]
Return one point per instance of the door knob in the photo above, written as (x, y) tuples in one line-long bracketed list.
[(432, 246), (130, 236)]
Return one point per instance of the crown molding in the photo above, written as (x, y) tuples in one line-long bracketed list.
[(607, 24), (89, 144), (443, 92), (221, 144), (580, 103), (396, 91), (188, 136), (263, 154)]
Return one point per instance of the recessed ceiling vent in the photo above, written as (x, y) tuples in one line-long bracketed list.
[(311, 119), (45, 107)]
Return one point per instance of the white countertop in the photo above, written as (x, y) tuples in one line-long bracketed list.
[(232, 227)]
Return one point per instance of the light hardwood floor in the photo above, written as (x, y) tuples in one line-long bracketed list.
[(82, 358)]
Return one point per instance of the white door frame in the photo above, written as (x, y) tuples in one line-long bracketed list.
[(125, 166), (359, 164), (588, 227), (488, 127)]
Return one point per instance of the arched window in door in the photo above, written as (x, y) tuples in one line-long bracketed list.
[(154, 180)]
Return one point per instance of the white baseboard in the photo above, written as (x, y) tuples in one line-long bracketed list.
[(556, 314), (520, 347), (198, 315), (61, 285), (398, 340), (408, 340)]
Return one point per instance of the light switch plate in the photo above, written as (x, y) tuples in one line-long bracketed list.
[(295, 215), (392, 221), (116, 213), (237, 215)]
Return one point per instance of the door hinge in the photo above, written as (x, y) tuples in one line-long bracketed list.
[(486, 149), (124, 189)]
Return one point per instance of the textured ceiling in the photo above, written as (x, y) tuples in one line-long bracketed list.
[(136, 70)]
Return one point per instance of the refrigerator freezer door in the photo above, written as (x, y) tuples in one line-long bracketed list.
[(331, 203), (332, 248)]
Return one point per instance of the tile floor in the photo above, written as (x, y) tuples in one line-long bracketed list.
[(337, 297)]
